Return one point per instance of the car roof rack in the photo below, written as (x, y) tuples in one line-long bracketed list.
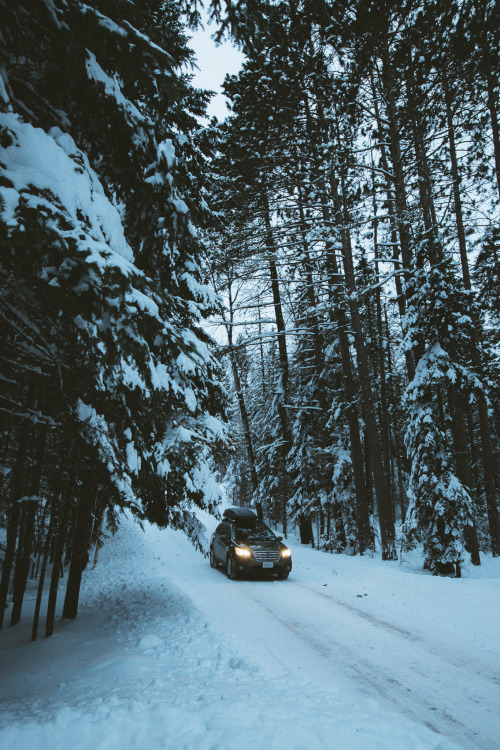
[(239, 514)]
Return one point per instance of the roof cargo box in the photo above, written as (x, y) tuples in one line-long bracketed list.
[(240, 514)]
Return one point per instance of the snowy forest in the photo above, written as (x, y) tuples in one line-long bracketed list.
[(300, 302)]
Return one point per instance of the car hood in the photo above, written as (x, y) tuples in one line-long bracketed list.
[(264, 545)]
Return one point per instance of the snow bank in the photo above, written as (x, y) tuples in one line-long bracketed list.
[(142, 666)]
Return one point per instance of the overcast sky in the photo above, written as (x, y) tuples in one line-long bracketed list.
[(214, 62)]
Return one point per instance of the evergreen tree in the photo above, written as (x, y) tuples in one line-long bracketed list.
[(102, 295), (374, 129), (440, 506)]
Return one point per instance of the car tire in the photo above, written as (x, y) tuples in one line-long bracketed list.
[(213, 561), (230, 571), (283, 574)]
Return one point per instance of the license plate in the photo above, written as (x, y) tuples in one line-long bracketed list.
[(267, 564)]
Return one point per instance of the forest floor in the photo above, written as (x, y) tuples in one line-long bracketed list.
[(349, 653)]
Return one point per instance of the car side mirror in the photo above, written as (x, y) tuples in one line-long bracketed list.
[(279, 538)]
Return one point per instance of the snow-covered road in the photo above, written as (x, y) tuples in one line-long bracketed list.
[(349, 653), (307, 627)]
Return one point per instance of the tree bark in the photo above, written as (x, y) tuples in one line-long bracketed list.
[(337, 315), (382, 374), (401, 200), (62, 531), (455, 175), (396, 224), (41, 580), (386, 515), (243, 413), (484, 422), (56, 564), (81, 544), (283, 355), (16, 494), (26, 549), (320, 392), (492, 106), (489, 476), (23, 558)]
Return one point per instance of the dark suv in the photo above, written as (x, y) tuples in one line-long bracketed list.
[(243, 544)]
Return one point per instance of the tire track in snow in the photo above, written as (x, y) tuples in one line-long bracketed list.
[(448, 695), (440, 651), (292, 629), (363, 672)]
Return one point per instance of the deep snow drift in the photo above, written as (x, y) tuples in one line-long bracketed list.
[(348, 653)]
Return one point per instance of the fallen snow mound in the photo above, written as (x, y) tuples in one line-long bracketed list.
[(141, 667)]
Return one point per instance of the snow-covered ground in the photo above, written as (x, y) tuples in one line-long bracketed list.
[(349, 653)]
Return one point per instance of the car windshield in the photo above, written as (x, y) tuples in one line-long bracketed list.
[(253, 533)]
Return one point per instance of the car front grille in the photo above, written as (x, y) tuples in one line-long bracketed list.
[(267, 555)]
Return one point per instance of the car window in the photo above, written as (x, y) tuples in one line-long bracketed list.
[(253, 533), (224, 530), (220, 528)]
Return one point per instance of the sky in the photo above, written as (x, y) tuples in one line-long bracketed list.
[(214, 61)]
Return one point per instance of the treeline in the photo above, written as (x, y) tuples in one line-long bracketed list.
[(358, 185), (110, 396)]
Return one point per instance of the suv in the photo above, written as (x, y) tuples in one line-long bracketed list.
[(243, 544)]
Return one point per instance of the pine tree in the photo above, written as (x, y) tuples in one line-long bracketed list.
[(102, 294), (440, 506), (381, 116)]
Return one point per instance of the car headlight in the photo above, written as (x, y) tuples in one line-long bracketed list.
[(242, 552), (286, 552)]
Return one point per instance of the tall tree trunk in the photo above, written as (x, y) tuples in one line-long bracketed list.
[(23, 557), (57, 563), (484, 421), (26, 549), (401, 201), (261, 353), (283, 354), (337, 315), (419, 127), (399, 469), (492, 106), (397, 228), (455, 175), (398, 440), (423, 171), (320, 392), (368, 472), (385, 511), (80, 547), (16, 493), (64, 511), (97, 534), (283, 357), (489, 476), (384, 403), (43, 569), (243, 411)]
